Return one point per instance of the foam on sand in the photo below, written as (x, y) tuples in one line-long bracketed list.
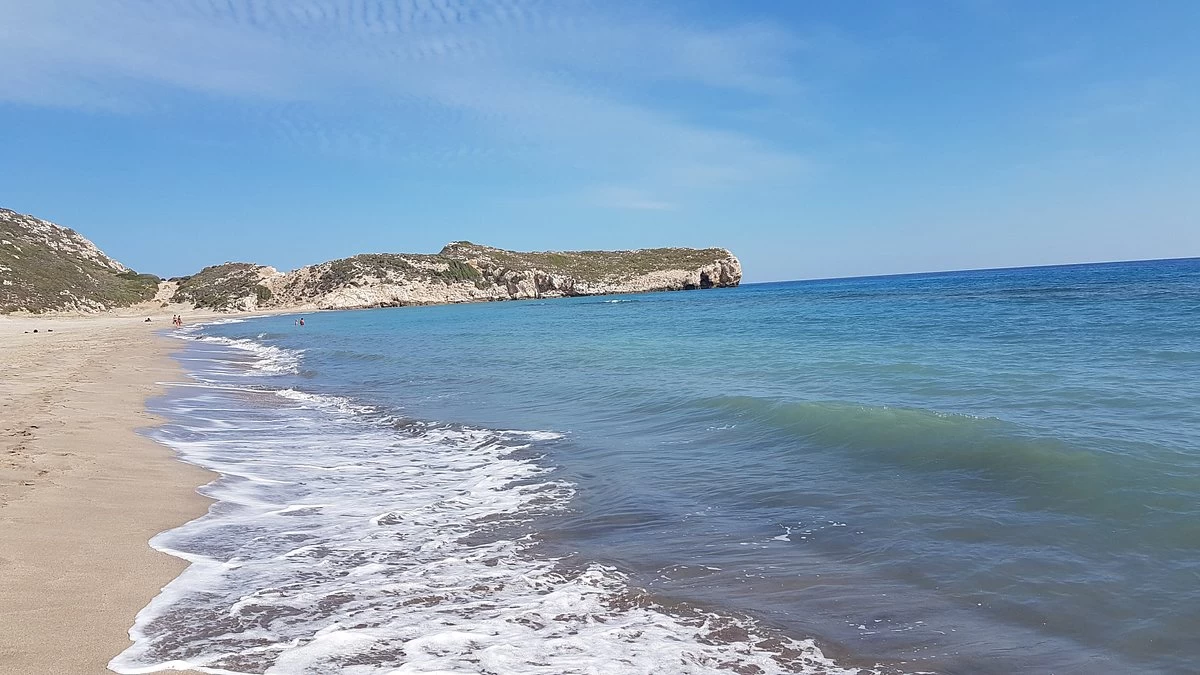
[(343, 540)]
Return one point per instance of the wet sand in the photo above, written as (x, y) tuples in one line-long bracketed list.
[(81, 493)]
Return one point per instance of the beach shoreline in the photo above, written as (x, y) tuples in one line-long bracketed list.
[(81, 491)]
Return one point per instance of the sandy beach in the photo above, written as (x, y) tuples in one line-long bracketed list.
[(81, 492)]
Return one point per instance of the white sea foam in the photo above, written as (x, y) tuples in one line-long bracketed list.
[(266, 358), (325, 401), (344, 545)]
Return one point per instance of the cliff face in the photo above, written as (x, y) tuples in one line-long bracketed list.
[(46, 267)]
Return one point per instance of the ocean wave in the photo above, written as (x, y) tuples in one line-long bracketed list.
[(267, 359), (1051, 473), (342, 544), (325, 401), (916, 438)]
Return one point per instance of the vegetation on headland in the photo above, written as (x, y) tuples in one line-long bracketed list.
[(222, 287), (590, 266), (370, 268), (44, 267)]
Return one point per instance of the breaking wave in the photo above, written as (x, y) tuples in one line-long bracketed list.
[(345, 539)]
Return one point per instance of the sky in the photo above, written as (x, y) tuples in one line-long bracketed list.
[(813, 139)]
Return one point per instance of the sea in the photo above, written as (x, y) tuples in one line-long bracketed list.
[(967, 472)]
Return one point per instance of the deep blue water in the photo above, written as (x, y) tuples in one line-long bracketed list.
[(971, 472)]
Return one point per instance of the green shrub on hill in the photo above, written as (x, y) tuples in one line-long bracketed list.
[(457, 270), (44, 267), (588, 265), (222, 287)]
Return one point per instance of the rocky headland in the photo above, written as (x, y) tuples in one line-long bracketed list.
[(46, 267)]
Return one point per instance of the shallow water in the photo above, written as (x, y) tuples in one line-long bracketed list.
[(972, 472)]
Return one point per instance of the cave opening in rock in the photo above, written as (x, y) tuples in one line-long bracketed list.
[(705, 280)]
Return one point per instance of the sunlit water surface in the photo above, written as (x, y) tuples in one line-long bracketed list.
[(976, 472)]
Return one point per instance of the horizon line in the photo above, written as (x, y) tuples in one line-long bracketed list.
[(970, 269)]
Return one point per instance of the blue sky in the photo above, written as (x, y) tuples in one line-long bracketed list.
[(812, 139)]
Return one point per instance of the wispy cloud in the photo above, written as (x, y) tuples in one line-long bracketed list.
[(591, 89)]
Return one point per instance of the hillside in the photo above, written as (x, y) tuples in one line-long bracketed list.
[(461, 272), (588, 266), (227, 287), (46, 267)]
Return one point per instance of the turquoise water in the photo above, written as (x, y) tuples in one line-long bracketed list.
[(976, 472)]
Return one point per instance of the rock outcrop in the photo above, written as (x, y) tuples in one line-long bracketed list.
[(46, 267)]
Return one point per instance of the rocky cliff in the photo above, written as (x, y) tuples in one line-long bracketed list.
[(58, 269), (46, 267)]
